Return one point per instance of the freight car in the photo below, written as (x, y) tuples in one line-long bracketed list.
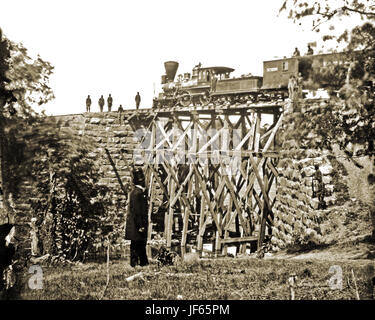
[(214, 85)]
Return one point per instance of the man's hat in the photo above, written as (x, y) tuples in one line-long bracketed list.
[(138, 175)]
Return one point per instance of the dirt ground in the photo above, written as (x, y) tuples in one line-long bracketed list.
[(359, 248)]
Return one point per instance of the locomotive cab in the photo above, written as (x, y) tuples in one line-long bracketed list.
[(205, 75)]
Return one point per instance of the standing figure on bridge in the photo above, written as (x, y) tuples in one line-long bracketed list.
[(101, 103), (300, 85), (120, 110), (109, 102), (292, 87), (88, 103), (213, 81), (137, 100), (137, 220)]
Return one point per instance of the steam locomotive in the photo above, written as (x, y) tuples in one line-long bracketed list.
[(214, 85)]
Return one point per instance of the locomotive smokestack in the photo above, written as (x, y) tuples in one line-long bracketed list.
[(171, 69)]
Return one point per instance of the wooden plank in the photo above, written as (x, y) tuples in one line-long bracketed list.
[(272, 136), (166, 137), (186, 218), (173, 176), (266, 209), (226, 222), (272, 168), (151, 189), (238, 153), (235, 202), (260, 182), (257, 132), (182, 186), (206, 196), (248, 135), (210, 142), (161, 184), (187, 139), (150, 207), (187, 211), (182, 137), (202, 219), (116, 172), (172, 189), (242, 239)]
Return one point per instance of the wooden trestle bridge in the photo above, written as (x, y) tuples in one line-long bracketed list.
[(216, 170)]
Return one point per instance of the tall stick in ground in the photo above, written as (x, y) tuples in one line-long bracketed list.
[(355, 285), (107, 282)]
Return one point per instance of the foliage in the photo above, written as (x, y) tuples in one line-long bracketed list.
[(349, 118), (26, 80), (74, 211), (324, 11), (23, 81)]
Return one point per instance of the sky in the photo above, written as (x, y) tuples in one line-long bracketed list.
[(120, 46)]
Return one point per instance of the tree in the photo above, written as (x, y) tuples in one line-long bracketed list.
[(355, 79), (348, 119), (23, 82), (324, 11)]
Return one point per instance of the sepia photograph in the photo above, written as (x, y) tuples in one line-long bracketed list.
[(193, 157)]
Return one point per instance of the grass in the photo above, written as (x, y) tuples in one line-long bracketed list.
[(220, 279)]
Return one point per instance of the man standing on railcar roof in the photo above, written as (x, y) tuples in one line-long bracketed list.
[(137, 220), (310, 51), (296, 52), (137, 100)]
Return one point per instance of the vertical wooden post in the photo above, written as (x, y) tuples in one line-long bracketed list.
[(150, 207), (203, 214), (203, 204), (257, 132), (172, 190), (170, 213), (169, 184), (189, 192), (151, 188), (226, 221)]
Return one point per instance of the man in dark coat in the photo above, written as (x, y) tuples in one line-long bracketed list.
[(137, 220), (120, 110), (109, 102), (101, 103), (137, 100), (88, 103)]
